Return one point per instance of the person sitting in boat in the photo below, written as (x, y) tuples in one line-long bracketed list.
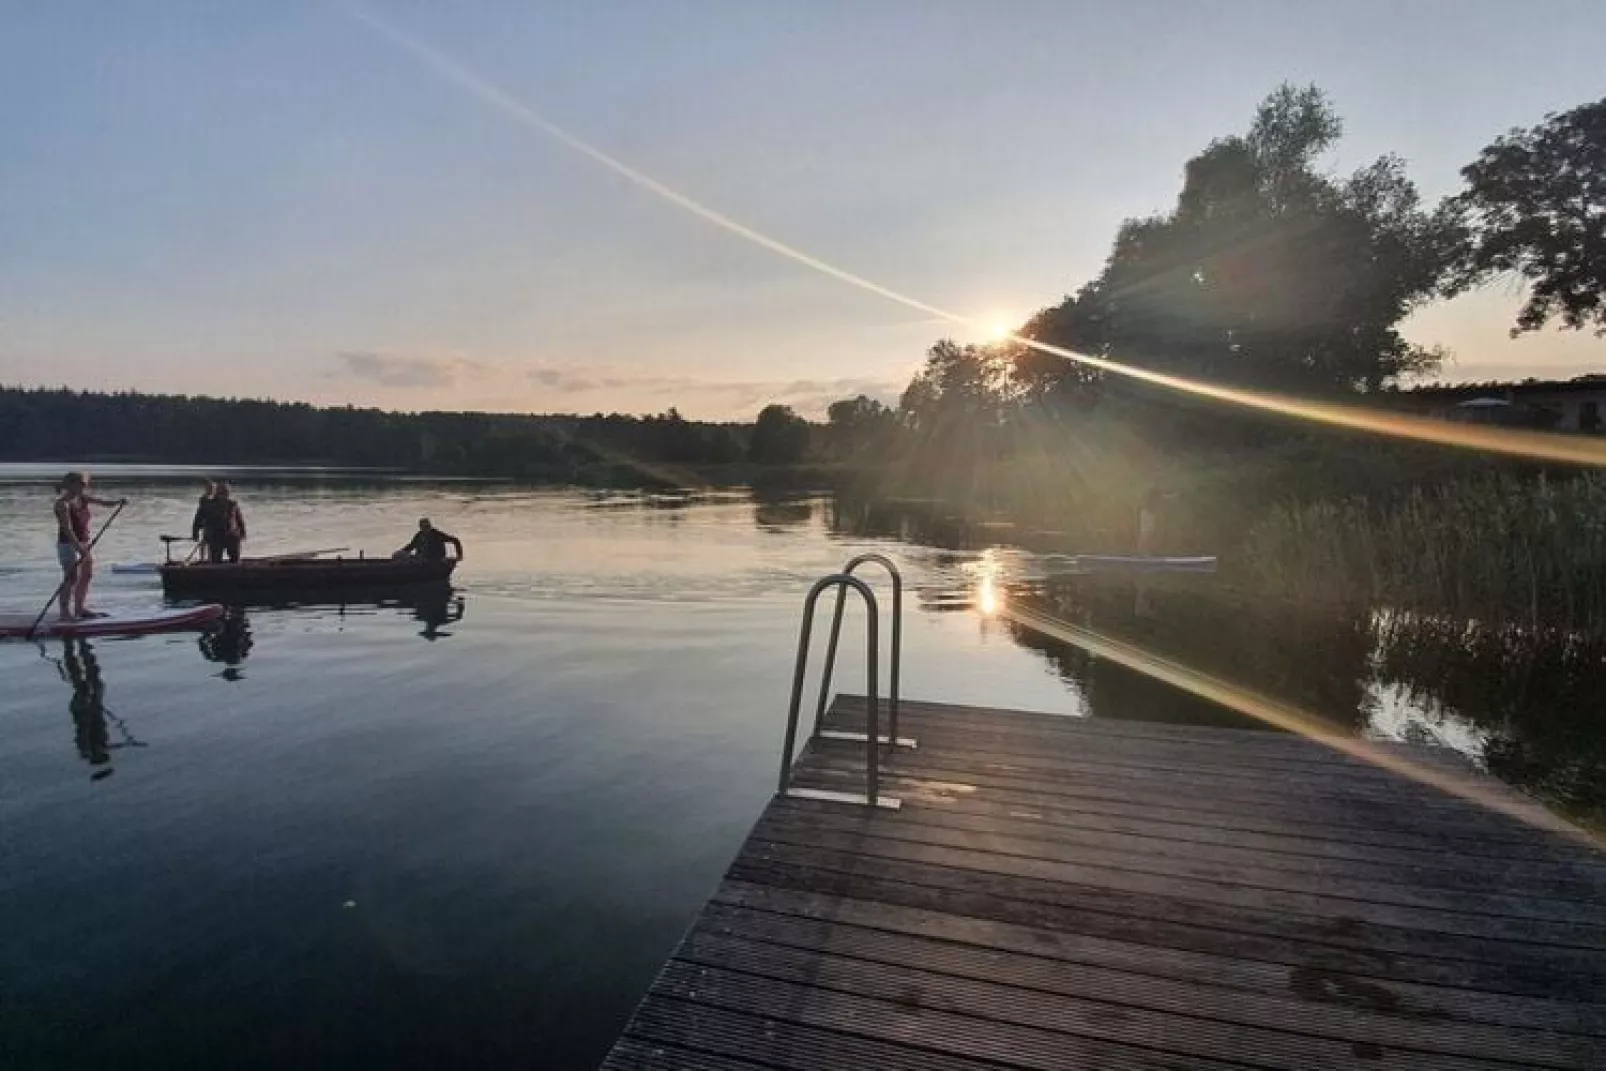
[(198, 525), (73, 543), (429, 544), (222, 525)]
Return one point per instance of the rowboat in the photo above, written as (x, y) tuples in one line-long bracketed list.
[(117, 623), (302, 574)]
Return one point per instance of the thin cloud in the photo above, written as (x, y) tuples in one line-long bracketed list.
[(563, 381), (409, 372), (809, 396)]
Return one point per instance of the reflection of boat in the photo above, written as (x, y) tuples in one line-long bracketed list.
[(230, 643), (302, 574), (433, 605), (117, 623)]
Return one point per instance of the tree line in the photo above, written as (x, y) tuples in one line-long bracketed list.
[(67, 425)]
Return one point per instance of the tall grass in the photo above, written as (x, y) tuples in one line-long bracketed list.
[(1500, 549)]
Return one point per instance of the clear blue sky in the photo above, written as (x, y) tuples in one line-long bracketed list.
[(273, 199)]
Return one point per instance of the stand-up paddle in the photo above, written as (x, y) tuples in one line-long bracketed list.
[(73, 572)]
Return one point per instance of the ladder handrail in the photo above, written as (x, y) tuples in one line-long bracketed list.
[(897, 641), (842, 582)]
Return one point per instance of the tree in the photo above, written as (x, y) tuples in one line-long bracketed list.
[(1267, 273), (1535, 206), (780, 437), (958, 386), (858, 425)]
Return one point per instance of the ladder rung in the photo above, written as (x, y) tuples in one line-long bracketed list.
[(888, 802)]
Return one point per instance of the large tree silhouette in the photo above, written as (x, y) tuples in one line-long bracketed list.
[(1268, 272), (1535, 206)]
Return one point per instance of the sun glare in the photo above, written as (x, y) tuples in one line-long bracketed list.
[(988, 600), (999, 330), (989, 596)]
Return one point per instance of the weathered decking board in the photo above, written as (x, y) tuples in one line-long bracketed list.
[(1056, 893)]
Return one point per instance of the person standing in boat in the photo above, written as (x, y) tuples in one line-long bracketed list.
[(429, 544), (72, 543), (198, 525), (222, 525)]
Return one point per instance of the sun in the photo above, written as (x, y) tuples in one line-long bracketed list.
[(999, 330)]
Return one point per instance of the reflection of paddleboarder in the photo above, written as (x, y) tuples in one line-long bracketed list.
[(88, 705)]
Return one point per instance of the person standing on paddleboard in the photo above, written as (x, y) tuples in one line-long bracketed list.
[(72, 543)]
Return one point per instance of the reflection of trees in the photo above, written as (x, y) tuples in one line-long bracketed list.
[(1536, 692), (1314, 661), (783, 513), (914, 521)]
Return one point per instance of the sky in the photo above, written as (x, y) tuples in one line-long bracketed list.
[(278, 200)]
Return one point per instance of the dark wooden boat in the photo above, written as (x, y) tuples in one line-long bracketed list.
[(302, 574)]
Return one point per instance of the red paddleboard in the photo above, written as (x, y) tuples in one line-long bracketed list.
[(116, 623)]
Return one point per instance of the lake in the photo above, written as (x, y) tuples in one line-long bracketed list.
[(466, 829)]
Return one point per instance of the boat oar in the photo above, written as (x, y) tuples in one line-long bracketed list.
[(72, 572), (295, 554)]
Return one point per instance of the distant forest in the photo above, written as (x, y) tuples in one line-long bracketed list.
[(68, 425)]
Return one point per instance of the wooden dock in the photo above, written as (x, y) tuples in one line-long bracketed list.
[(1059, 893)]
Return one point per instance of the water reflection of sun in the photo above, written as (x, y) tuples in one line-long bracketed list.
[(989, 593), (988, 598)]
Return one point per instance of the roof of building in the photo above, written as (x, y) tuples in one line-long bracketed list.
[(1594, 381)]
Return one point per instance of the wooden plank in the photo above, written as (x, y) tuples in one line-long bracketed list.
[(1474, 934), (996, 744), (1014, 732), (847, 704), (1126, 799), (1432, 810), (1431, 865), (1335, 999), (1100, 986), (635, 1055), (1337, 944), (1239, 868), (772, 1042), (1350, 776), (937, 1030), (1317, 811), (1016, 1005)]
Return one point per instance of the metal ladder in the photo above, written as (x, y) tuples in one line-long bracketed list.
[(843, 582)]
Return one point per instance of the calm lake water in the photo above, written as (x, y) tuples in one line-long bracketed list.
[(466, 830)]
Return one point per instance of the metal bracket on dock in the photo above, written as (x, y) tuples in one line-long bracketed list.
[(894, 670), (872, 738)]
